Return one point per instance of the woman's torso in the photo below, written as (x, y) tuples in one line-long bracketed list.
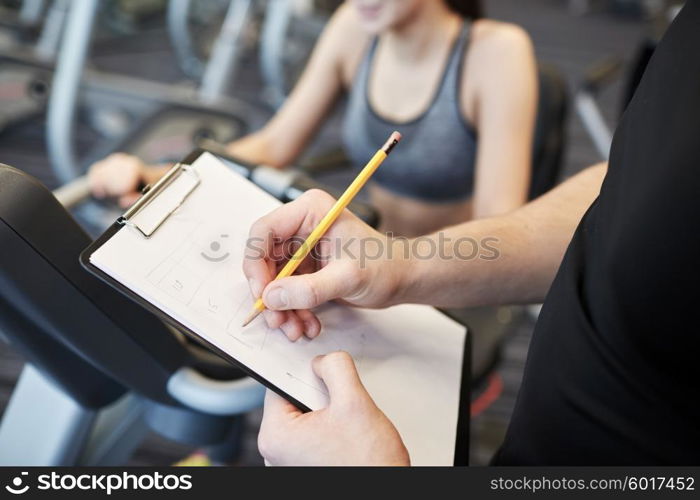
[(427, 182)]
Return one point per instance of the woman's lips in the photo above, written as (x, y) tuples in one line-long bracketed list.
[(369, 12)]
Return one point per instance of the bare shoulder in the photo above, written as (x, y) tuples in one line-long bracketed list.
[(347, 38), (492, 38), (345, 18), (498, 52)]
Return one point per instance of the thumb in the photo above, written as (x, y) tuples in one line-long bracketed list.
[(309, 290), (338, 372)]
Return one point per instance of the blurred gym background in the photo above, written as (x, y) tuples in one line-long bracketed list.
[(159, 49)]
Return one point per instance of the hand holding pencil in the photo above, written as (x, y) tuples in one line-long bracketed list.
[(311, 217)]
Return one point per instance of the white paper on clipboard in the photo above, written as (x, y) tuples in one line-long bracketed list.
[(409, 357)]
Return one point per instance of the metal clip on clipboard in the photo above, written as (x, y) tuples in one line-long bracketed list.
[(151, 193)]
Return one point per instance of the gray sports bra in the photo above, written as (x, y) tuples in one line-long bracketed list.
[(436, 158)]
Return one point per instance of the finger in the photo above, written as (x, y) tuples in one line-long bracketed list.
[(127, 200), (293, 219), (312, 326), (111, 173), (293, 327), (94, 180), (277, 411), (99, 179), (118, 156), (307, 266), (336, 280), (274, 319), (278, 414), (338, 372), (256, 266), (299, 217), (257, 272)]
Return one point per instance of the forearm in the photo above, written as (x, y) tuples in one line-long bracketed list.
[(501, 260), (258, 149)]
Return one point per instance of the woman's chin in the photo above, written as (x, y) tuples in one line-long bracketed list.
[(374, 21), (375, 26)]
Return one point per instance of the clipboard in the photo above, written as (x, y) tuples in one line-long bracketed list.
[(188, 181)]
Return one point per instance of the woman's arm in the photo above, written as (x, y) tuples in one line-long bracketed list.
[(284, 137), (502, 68)]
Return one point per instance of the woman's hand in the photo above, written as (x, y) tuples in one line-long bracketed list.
[(120, 176), (352, 262), (350, 431)]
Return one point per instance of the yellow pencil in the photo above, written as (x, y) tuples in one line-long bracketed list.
[(323, 226)]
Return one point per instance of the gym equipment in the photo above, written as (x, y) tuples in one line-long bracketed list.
[(168, 130), (169, 120), (102, 371), (106, 390), (138, 98), (286, 32), (549, 142), (26, 73), (25, 70), (188, 31), (604, 72), (25, 15), (289, 33), (587, 108)]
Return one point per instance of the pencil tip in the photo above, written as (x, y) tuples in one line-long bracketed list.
[(250, 318)]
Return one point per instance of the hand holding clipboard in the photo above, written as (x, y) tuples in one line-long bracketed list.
[(404, 354)]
